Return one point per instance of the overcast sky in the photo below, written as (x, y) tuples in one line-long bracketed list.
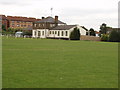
[(88, 13)]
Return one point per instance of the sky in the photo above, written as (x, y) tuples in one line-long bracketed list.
[(88, 13)]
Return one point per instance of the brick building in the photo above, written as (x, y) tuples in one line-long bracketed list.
[(3, 20), (16, 22)]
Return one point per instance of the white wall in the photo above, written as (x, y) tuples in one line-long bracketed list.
[(82, 30), (43, 33), (54, 34), (33, 33), (40, 33)]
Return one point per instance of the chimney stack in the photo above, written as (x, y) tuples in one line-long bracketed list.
[(56, 18), (43, 17)]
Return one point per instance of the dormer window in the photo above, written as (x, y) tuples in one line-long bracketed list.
[(43, 25), (18, 25), (51, 25), (35, 25), (39, 25)]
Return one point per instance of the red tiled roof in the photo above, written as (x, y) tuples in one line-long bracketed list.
[(3, 16), (17, 18), (97, 32)]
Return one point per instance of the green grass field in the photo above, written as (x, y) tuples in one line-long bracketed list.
[(46, 63)]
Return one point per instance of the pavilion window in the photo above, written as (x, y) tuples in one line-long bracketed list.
[(39, 33), (50, 32), (66, 33), (53, 32), (58, 33), (35, 33), (42, 32), (62, 33)]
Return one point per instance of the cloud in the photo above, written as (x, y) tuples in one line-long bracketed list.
[(90, 13), (13, 3), (91, 18)]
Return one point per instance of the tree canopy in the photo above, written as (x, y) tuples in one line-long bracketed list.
[(3, 28), (92, 32), (104, 28), (114, 36), (75, 34)]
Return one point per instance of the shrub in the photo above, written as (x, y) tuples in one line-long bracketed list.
[(104, 37), (27, 33), (75, 34), (114, 36)]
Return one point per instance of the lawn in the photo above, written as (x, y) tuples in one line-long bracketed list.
[(48, 63)]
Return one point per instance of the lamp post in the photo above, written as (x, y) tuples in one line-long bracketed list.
[(51, 11)]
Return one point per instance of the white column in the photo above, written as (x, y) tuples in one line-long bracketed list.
[(60, 33), (36, 33), (33, 34)]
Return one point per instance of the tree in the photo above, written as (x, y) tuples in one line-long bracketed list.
[(75, 34), (3, 28), (114, 36), (11, 30), (103, 28), (92, 32)]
